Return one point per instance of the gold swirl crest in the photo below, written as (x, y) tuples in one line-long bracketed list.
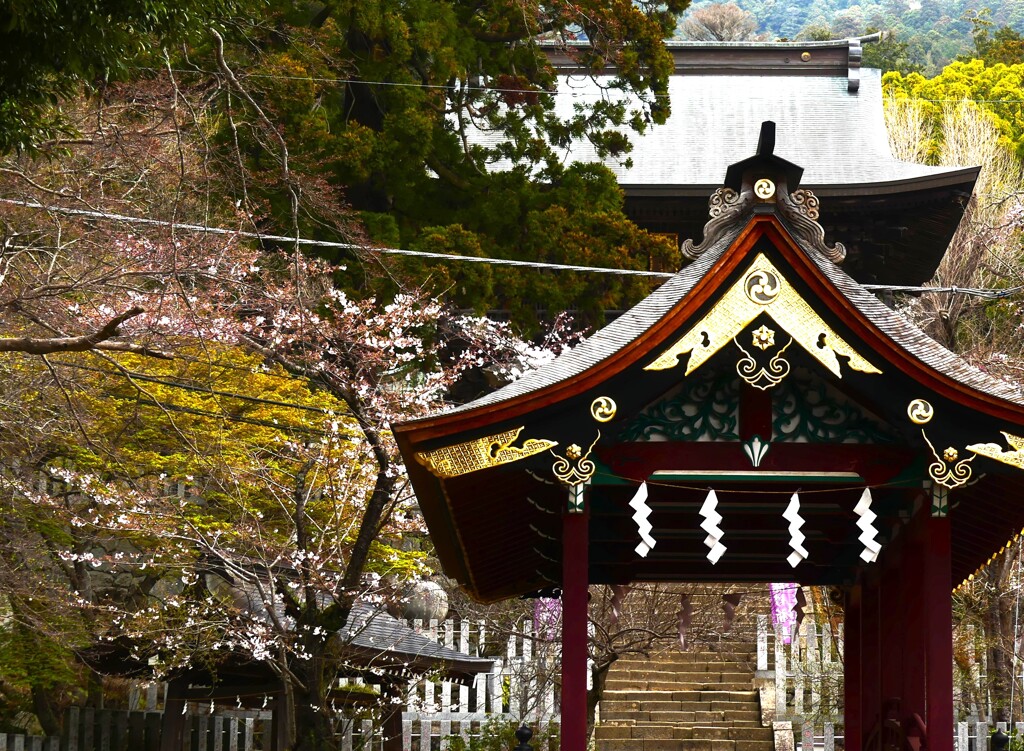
[(603, 408), (762, 291), (481, 453), (761, 377), (946, 470), (764, 188), (920, 412)]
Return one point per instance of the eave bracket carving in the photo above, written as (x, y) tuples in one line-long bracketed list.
[(728, 208), (725, 207)]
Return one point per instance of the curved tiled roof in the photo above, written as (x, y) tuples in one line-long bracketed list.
[(839, 136), (633, 323), (620, 332)]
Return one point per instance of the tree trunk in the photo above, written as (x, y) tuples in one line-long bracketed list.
[(314, 726), (599, 674), (46, 713)]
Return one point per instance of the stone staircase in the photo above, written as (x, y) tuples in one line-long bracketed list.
[(684, 701)]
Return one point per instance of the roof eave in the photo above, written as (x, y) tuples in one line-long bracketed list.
[(964, 177)]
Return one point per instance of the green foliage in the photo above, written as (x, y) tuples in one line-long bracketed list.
[(48, 50), (406, 108), (1004, 46), (998, 89), (500, 735), (890, 54)]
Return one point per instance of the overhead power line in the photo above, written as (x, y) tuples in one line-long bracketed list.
[(327, 243), (481, 89), (990, 294)]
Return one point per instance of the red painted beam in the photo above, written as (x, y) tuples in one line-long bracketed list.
[(638, 461)]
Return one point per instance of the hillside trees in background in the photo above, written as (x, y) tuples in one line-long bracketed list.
[(935, 32), (719, 22)]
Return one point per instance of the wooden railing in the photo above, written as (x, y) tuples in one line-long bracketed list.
[(123, 730)]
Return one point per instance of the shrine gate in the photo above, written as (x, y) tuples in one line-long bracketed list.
[(760, 417)]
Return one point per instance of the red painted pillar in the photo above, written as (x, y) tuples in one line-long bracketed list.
[(892, 624), (870, 657), (853, 720), (575, 578), (914, 657), (938, 634)]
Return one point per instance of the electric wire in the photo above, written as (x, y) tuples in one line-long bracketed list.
[(326, 243), (990, 294)]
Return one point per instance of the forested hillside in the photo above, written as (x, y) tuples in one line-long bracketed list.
[(934, 31)]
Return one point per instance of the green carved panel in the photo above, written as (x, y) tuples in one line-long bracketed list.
[(699, 410), (807, 410)]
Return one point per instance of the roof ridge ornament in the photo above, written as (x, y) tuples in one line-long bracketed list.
[(800, 209), (761, 184), (726, 207)]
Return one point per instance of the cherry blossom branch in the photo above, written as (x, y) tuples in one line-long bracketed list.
[(99, 339)]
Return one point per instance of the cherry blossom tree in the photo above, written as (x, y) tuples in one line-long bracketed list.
[(208, 473)]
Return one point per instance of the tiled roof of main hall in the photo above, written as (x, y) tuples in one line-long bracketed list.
[(719, 101)]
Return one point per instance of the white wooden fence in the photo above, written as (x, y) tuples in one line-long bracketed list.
[(519, 688), (807, 668)]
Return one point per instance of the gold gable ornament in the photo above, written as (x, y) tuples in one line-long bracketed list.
[(481, 453), (1014, 457), (763, 289)]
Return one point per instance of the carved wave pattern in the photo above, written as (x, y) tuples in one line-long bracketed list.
[(703, 411), (805, 410)]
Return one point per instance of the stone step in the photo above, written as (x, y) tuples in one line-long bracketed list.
[(689, 676), (729, 696), (634, 715), (687, 738), (616, 684), (677, 706), (618, 695), (743, 663), (693, 658), (684, 701), (651, 744), (687, 658), (663, 672), (732, 733)]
